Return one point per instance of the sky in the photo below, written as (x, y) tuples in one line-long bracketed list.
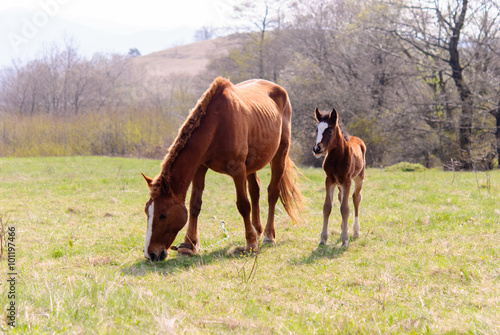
[(27, 26)]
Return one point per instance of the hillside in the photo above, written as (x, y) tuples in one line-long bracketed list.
[(188, 59)]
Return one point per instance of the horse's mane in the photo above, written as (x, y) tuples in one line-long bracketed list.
[(191, 123)]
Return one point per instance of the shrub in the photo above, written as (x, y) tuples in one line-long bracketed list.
[(406, 167)]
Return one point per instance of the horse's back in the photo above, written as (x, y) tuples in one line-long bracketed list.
[(248, 119), (258, 94), (359, 142)]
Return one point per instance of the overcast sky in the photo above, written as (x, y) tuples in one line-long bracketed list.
[(26, 26)]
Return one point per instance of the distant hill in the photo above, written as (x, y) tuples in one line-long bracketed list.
[(190, 59)]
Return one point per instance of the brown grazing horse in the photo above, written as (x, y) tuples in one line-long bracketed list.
[(234, 130), (344, 161)]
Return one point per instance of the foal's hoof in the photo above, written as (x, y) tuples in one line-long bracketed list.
[(345, 244)]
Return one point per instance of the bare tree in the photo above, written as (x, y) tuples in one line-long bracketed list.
[(265, 16), (496, 115), (447, 32)]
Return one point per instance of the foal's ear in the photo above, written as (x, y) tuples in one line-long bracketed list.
[(318, 115), (147, 179), (334, 116)]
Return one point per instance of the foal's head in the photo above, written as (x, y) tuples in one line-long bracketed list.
[(166, 216), (327, 130)]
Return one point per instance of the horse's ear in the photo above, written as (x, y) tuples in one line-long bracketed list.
[(318, 115), (147, 179), (334, 116)]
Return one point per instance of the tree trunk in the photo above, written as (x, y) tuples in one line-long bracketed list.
[(496, 114), (465, 126), (261, 55)]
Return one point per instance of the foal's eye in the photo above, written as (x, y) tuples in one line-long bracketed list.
[(163, 216)]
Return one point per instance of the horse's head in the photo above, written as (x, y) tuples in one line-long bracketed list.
[(166, 216), (327, 126)]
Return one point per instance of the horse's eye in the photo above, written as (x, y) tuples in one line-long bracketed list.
[(163, 216), (330, 131)]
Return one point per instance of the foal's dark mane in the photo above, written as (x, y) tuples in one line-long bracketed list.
[(191, 123), (343, 130)]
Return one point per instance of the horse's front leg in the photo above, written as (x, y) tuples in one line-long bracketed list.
[(191, 243), (327, 209), (344, 210)]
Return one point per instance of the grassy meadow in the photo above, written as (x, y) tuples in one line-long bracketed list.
[(427, 261)]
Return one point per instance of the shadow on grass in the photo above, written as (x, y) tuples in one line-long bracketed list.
[(175, 263), (330, 251)]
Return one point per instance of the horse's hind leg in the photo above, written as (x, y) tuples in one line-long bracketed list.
[(356, 197), (344, 210), (273, 192), (327, 209), (254, 190), (239, 178)]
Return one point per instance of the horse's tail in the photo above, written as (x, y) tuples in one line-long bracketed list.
[(290, 195)]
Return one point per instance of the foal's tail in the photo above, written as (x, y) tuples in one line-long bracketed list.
[(290, 195)]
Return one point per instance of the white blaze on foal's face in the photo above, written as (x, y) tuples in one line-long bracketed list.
[(149, 232), (322, 126), (318, 150)]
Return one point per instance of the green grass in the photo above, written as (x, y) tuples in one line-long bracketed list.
[(427, 261)]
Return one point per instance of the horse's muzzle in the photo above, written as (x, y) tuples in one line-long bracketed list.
[(154, 257), (317, 150)]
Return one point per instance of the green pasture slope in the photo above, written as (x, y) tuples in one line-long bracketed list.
[(427, 261)]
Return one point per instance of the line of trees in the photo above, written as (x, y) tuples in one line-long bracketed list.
[(418, 80), (64, 104)]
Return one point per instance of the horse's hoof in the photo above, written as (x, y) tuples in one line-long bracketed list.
[(251, 250), (322, 244), (268, 241), (345, 244), (234, 251), (242, 251), (185, 252)]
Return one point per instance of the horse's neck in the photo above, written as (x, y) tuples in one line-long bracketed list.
[(184, 167)]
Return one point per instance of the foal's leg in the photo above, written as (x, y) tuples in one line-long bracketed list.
[(344, 210), (254, 189), (243, 205), (327, 209), (192, 235), (356, 197)]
